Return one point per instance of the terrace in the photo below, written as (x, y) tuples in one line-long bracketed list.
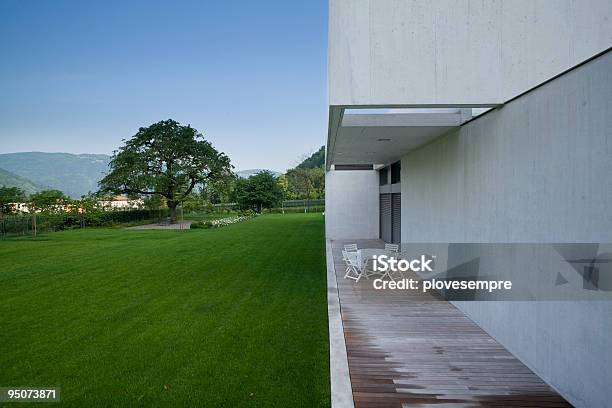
[(409, 348)]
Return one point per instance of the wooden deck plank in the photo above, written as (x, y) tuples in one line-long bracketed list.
[(410, 348)]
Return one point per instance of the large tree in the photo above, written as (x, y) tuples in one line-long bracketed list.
[(165, 159)]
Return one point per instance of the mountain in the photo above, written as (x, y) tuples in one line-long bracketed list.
[(74, 174), (251, 172), (317, 159), (8, 179)]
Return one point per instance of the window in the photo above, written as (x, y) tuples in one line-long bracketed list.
[(396, 169), (383, 176), (353, 167)]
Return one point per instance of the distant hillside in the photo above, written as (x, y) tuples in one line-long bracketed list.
[(317, 159), (251, 172), (74, 174), (8, 179)]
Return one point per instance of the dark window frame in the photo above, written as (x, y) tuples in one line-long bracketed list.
[(396, 170), (345, 167), (383, 176)]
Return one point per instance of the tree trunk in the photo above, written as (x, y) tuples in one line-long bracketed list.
[(172, 206)]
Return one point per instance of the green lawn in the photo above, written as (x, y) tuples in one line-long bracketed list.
[(235, 316)]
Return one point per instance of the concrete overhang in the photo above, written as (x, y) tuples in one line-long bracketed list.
[(383, 135)]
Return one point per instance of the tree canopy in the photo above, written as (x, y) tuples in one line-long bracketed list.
[(165, 159), (9, 196), (306, 183), (317, 159), (258, 192), (48, 201), (307, 179)]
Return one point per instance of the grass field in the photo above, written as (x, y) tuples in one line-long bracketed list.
[(231, 317)]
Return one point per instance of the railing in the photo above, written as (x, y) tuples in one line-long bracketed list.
[(305, 206)]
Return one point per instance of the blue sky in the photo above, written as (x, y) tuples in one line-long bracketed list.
[(80, 76)]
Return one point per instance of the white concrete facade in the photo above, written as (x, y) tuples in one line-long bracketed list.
[(351, 200), (537, 168), (449, 52)]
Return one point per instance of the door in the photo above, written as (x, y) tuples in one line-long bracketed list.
[(396, 218), (385, 217)]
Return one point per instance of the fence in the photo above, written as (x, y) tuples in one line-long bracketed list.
[(304, 206), (287, 206), (26, 224)]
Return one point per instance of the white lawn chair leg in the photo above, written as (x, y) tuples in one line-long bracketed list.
[(348, 275), (362, 272), (352, 273), (386, 274), (372, 272), (361, 275)]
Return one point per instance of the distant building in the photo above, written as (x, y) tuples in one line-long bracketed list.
[(25, 208), (120, 202), (19, 207)]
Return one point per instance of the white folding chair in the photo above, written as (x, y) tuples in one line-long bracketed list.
[(345, 259), (351, 248), (355, 269), (348, 248), (392, 247)]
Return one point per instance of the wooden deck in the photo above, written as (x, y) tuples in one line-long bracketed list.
[(408, 349)]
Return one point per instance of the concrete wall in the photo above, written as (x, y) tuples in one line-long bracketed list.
[(566, 343), (538, 169), (351, 204), (398, 52)]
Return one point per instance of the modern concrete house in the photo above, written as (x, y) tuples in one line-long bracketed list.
[(480, 122)]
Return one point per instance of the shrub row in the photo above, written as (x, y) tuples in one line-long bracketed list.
[(23, 224)]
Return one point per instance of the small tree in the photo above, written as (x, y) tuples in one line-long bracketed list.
[(165, 159), (47, 201), (283, 184), (8, 197), (87, 209), (258, 192)]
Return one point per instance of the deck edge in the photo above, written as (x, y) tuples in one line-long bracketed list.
[(341, 388)]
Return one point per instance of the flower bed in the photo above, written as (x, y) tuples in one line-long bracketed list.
[(221, 222)]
